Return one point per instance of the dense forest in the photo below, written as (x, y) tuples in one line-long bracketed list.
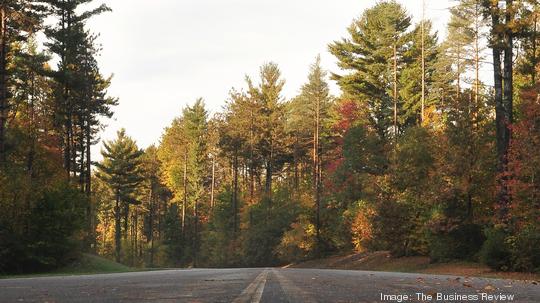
[(418, 155)]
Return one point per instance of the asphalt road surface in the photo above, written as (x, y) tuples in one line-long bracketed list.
[(265, 285)]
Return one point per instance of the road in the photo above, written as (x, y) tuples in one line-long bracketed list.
[(263, 285)]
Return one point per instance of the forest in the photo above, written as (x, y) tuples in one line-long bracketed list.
[(418, 155)]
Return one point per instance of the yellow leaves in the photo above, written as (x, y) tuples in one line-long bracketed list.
[(361, 227), (297, 242)]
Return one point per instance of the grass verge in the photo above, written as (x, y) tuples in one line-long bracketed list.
[(87, 264)]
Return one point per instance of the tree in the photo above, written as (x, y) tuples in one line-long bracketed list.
[(151, 192), (75, 49), (419, 67), (18, 20), (373, 55), (458, 45), (31, 97), (271, 116), (121, 170), (184, 154), (309, 112)]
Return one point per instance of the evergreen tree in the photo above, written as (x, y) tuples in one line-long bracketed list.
[(271, 146), (184, 153), (411, 76), (18, 20), (73, 45), (121, 170), (374, 55), (308, 117)]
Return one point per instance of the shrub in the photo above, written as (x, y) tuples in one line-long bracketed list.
[(461, 242), (361, 227), (56, 229), (269, 221), (496, 251), (526, 250), (298, 244), (47, 234)]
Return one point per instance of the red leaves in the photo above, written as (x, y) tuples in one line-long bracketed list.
[(349, 113), (524, 159)]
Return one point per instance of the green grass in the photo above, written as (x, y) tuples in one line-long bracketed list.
[(91, 264), (87, 264)]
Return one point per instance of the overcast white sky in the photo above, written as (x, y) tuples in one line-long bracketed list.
[(166, 53)]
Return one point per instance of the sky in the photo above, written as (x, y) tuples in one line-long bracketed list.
[(164, 54)]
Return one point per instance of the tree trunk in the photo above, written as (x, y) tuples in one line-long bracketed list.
[(269, 173), (184, 203), (458, 83), (88, 181), (117, 231), (212, 186), (126, 220), (507, 109), (3, 85), (395, 93), (316, 167), (296, 160), (235, 191), (151, 224), (477, 57), (501, 117), (251, 157), (423, 63)]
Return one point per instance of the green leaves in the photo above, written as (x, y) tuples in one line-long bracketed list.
[(121, 166)]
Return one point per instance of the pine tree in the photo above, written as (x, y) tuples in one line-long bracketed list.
[(30, 88), (121, 170), (458, 46), (237, 140), (152, 191), (502, 37), (73, 45), (196, 130), (373, 54), (309, 113), (184, 154), (415, 99), (272, 118), (18, 20)]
